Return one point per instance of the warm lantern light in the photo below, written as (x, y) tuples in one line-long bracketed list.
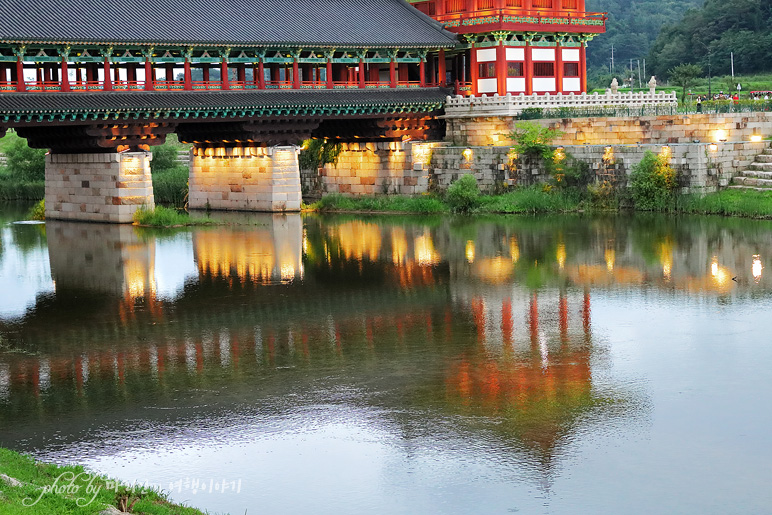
[(469, 251), (608, 155), (468, 154), (560, 154), (756, 138), (611, 258), (720, 135), (666, 152), (561, 255), (713, 147), (757, 268)]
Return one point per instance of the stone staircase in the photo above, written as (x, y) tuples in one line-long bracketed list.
[(758, 176)]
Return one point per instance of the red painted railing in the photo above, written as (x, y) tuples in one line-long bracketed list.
[(177, 85)]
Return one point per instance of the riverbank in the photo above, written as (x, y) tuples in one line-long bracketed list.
[(536, 200), (37, 488)]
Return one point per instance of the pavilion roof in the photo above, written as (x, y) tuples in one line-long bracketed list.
[(290, 23)]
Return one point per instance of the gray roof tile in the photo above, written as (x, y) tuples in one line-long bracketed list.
[(352, 23)]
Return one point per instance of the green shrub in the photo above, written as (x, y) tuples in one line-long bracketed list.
[(170, 186), (602, 195), (463, 195), (25, 163), (38, 211), (653, 183), (164, 158), (532, 139), (316, 153)]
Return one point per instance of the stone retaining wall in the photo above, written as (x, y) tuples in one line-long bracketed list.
[(701, 168), (107, 187), (374, 168), (705, 128)]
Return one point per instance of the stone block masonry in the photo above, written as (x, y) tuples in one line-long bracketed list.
[(702, 168), (374, 168), (245, 179), (704, 128), (106, 187)]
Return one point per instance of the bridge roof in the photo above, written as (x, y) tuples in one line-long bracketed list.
[(322, 23), (52, 107)]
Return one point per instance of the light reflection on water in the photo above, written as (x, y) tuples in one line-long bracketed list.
[(399, 364)]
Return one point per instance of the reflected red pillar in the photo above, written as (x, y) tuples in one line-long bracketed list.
[(79, 375), (563, 321), (533, 319), (199, 357), (586, 313), (506, 321), (478, 314), (235, 351)]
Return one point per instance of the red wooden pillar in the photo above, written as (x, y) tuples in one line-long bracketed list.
[(583, 68), (20, 85), (261, 75), (528, 69), (188, 76), (65, 79), (169, 72), (558, 69), (108, 84), (225, 81), (442, 65), (474, 70), (131, 73), (330, 84), (116, 74), (149, 79), (295, 74), (362, 73), (3, 80), (205, 71), (501, 68), (422, 73), (89, 74), (241, 70), (392, 73)]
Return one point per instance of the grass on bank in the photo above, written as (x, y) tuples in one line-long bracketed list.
[(167, 217), (739, 203), (23, 482), (523, 200)]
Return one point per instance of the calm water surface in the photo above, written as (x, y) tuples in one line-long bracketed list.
[(398, 364)]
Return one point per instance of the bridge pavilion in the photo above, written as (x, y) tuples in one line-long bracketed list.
[(97, 82)]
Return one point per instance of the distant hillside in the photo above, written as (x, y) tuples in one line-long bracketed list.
[(632, 27), (711, 33)]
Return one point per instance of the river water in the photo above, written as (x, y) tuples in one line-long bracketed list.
[(398, 364)]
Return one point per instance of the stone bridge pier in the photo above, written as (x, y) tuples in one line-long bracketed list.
[(245, 178), (98, 187)]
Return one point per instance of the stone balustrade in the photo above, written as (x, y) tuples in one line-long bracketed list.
[(512, 105)]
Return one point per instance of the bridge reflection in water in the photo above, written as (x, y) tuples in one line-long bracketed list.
[(480, 318)]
